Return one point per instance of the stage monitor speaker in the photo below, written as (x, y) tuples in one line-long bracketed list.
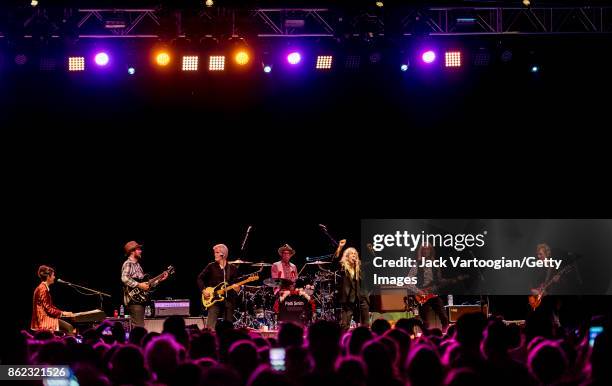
[(454, 312), (389, 300), (157, 324)]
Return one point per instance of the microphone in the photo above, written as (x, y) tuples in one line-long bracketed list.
[(317, 258), (63, 282), (323, 226)]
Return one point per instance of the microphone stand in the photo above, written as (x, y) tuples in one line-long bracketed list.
[(93, 292), (246, 236), (324, 229)]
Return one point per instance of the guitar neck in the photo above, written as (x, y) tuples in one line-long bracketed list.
[(236, 285)]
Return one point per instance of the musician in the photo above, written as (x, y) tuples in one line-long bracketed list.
[(214, 273), (352, 297), (549, 305), (131, 275), (45, 316), (543, 252), (284, 269), (432, 312)]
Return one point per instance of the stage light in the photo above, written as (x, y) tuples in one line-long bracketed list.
[(209, 3), (452, 59), (76, 63), (34, 3), (404, 67), (324, 62), (48, 64), (162, 58), (294, 58), (21, 59), (101, 59), (267, 69), (131, 70), (380, 4), (352, 62), (190, 63), (375, 57), (242, 58), (216, 63), (482, 59), (506, 56), (535, 69), (526, 3), (428, 56)]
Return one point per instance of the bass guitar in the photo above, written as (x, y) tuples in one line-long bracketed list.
[(212, 295)]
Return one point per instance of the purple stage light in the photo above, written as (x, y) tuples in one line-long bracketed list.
[(294, 58), (101, 59), (429, 56)]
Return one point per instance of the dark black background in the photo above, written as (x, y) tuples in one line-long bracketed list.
[(182, 164)]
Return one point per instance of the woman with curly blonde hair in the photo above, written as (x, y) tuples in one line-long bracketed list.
[(351, 295)]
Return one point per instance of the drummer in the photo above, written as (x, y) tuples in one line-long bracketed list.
[(284, 269)]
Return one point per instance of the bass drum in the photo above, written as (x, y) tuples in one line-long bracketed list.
[(295, 308)]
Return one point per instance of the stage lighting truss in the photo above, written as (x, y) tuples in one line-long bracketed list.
[(296, 22)]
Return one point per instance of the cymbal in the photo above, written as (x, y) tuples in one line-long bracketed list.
[(252, 288), (277, 282), (319, 262), (240, 262), (262, 265)]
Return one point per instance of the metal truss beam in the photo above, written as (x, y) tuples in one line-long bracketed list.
[(322, 22), (509, 20)]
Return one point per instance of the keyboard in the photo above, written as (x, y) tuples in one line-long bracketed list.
[(88, 316)]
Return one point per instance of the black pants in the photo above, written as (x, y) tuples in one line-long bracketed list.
[(361, 310), (433, 314), (224, 310), (137, 312)]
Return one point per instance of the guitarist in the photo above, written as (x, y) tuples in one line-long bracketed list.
[(545, 304), (432, 311), (131, 272), (219, 271)]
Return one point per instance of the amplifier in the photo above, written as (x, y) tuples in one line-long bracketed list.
[(171, 307), (157, 325), (454, 312), (389, 300)]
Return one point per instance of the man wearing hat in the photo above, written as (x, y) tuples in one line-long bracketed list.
[(131, 272), (284, 269)]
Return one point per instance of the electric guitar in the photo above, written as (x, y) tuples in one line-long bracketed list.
[(218, 292), (536, 299), (139, 295), (427, 293)]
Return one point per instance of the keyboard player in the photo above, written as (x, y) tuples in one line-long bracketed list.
[(45, 316)]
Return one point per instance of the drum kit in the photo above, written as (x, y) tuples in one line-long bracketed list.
[(310, 298)]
